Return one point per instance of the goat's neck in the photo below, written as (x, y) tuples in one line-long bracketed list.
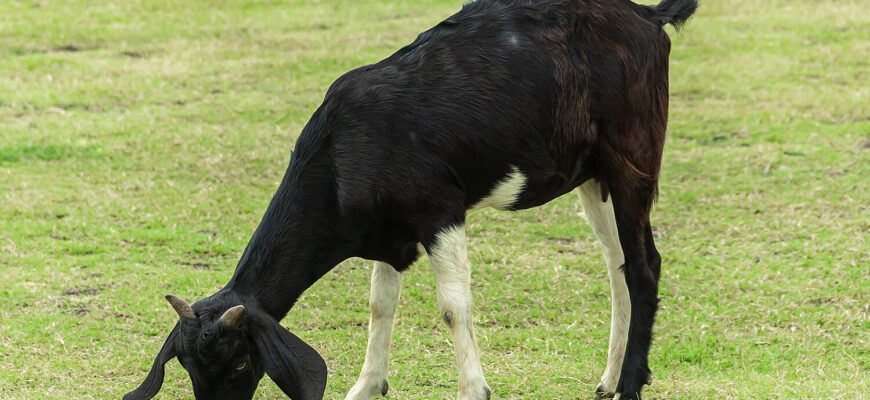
[(294, 245)]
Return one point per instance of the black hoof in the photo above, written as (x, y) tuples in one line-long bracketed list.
[(600, 393), (629, 396), (385, 387), (488, 392)]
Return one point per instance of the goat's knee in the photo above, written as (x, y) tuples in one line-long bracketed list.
[(654, 261)]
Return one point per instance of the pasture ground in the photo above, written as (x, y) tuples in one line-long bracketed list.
[(141, 140)]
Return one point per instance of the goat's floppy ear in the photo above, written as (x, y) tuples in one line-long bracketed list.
[(293, 365), (154, 380)]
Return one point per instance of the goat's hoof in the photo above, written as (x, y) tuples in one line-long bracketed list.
[(481, 393), (601, 393), (626, 396), (368, 390)]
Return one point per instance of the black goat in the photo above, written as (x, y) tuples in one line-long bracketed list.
[(506, 104)]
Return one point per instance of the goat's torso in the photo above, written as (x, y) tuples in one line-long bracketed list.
[(498, 109)]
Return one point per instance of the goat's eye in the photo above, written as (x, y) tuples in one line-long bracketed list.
[(242, 365)]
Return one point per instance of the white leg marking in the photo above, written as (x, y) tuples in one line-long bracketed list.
[(386, 283), (603, 220), (505, 192), (449, 258)]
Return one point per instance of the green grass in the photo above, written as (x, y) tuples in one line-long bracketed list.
[(141, 140)]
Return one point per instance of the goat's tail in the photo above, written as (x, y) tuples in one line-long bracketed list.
[(674, 12)]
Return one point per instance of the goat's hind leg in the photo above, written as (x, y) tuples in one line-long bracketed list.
[(603, 221), (632, 203), (386, 283)]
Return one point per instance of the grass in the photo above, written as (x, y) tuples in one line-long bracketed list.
[(141, 140)]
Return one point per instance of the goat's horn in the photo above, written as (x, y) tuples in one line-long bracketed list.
[(181, 307), (233, 316)]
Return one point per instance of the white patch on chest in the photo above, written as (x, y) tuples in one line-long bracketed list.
[(505, 192)]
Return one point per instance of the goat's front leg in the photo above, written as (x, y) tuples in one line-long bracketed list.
[(386, 283), (449, 258)]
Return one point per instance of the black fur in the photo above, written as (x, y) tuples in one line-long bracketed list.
[(562, 90)]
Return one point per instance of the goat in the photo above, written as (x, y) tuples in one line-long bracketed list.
[(506, 104)]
